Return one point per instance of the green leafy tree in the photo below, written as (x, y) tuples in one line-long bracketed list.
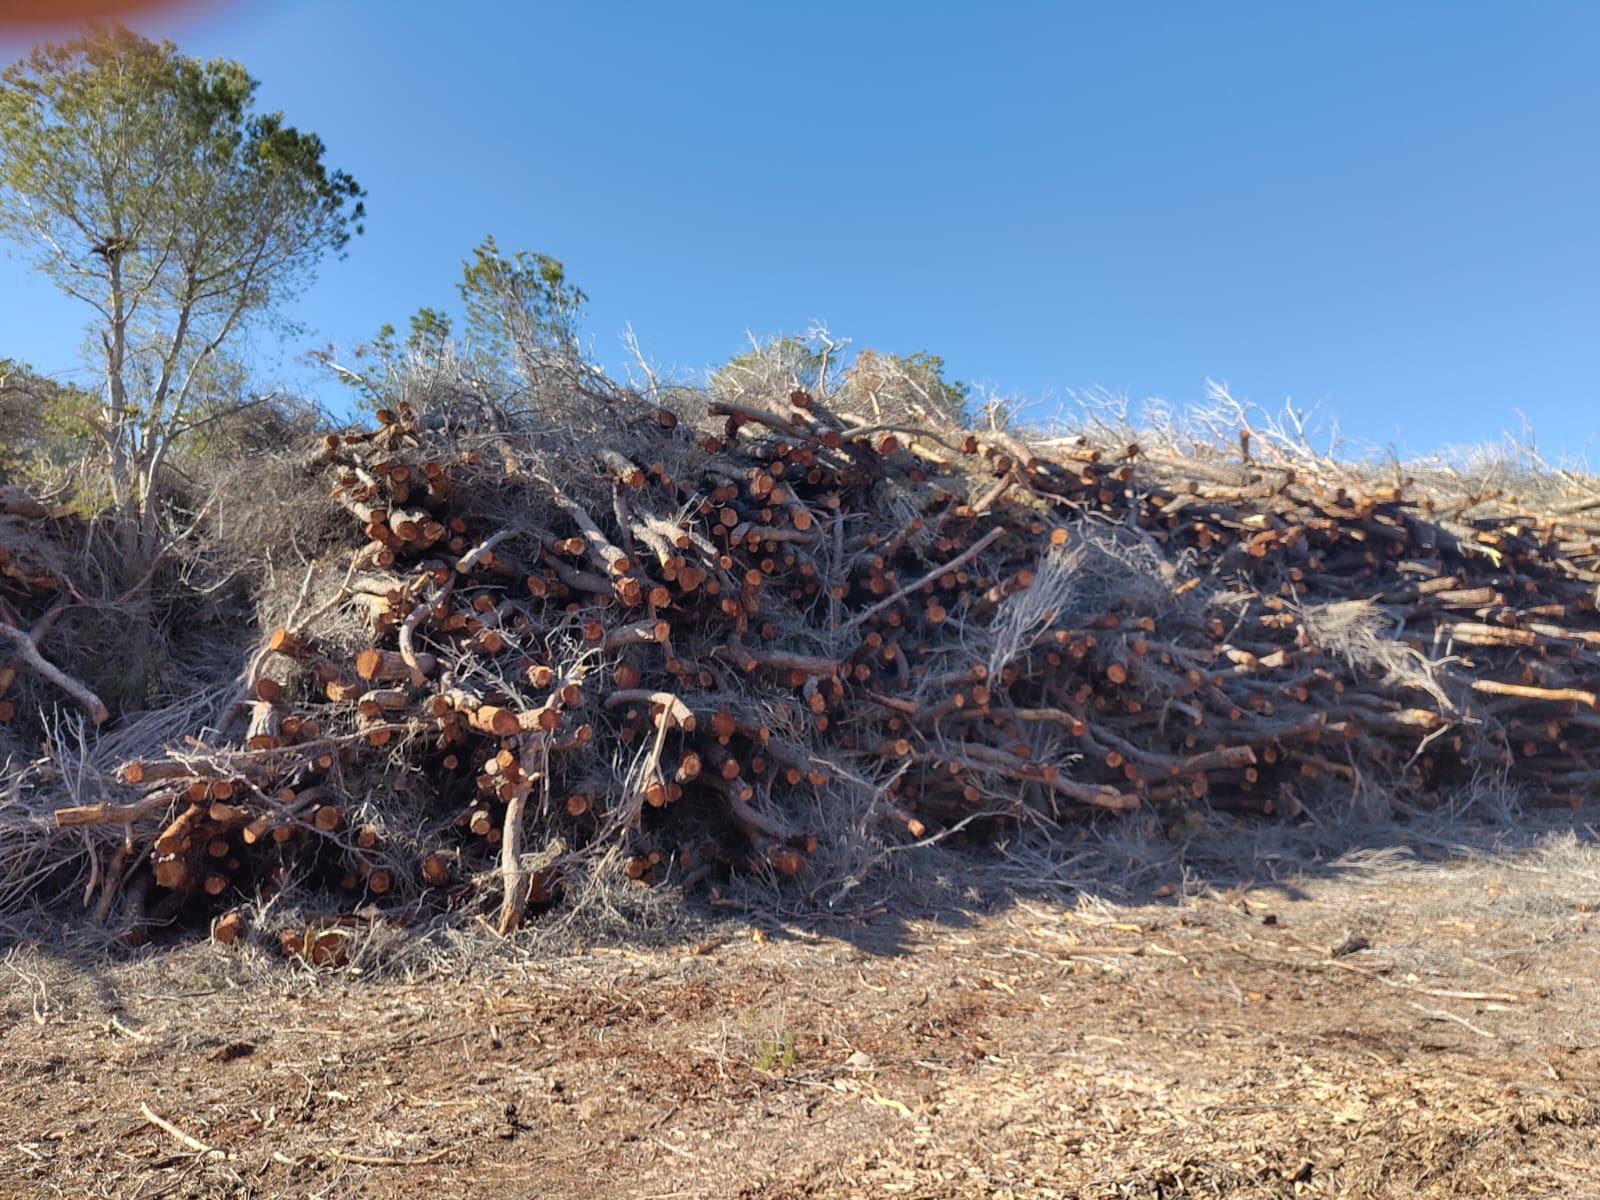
[(148, 188), (521, 310), (427, 337)]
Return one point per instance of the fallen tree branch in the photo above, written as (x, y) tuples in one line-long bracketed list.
[(29, 651)]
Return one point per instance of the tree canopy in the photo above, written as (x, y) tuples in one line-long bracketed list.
[(146, 186), (520, 310)]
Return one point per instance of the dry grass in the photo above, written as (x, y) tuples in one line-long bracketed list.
[(1410, 1019), (1378, 997)]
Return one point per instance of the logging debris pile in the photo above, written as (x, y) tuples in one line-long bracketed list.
[(704, 647)]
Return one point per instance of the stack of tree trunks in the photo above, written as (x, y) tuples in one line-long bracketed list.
[(692, 641)]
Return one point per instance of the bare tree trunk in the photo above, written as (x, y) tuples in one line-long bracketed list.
[(118, 417)]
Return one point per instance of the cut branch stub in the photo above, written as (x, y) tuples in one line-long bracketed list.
[(291, 645), (373, 665), (491, 718)]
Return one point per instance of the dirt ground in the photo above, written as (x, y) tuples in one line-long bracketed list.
[(1412, 1019)]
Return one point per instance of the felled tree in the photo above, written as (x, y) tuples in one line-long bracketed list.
[(148, 188)]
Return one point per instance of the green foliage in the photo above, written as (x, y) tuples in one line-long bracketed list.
[(930, 369), (375, 369), (150, 190), (429, 333), (520, 310), (430, 330), (124, 149), (46, 427), (772, 1053), (911, 381)]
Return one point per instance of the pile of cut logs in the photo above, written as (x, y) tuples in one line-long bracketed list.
[(695, 629)]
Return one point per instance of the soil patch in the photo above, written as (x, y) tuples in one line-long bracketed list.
[(1403, 1027)]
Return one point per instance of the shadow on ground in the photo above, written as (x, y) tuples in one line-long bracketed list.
[(873, 907)]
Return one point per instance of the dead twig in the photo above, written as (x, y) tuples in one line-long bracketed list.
[(1441, 1015), (172, 1131), (956, 563)]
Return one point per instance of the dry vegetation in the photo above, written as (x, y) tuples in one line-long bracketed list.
[(563, 654), (1156, 811), (1413, 1017)]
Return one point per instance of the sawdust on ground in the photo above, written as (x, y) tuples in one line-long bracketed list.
[(1426, 1029)]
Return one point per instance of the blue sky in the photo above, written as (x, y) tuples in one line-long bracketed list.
[(1392, 210)]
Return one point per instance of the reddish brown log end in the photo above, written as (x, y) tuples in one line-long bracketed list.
[(229, 929)]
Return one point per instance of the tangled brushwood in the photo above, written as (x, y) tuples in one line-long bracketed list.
[(679, 646)]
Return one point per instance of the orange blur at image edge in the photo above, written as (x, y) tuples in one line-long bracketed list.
[(68, 12)]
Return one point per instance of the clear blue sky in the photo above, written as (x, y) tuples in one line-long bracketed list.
[(1391, 209)]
